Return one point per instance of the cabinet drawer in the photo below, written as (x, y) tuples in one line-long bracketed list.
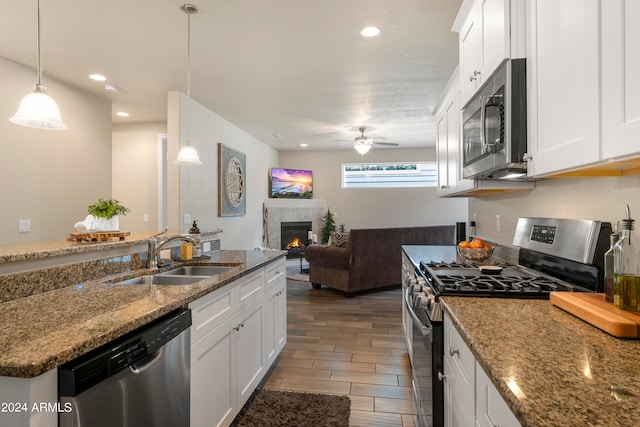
[(461, 360), (250, 287), (211, 310), (275, 272)]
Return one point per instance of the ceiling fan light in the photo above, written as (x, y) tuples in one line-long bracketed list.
[(188, 155), (38, 110), (362, 148)]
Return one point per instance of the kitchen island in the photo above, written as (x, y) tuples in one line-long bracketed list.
[(551, 368)]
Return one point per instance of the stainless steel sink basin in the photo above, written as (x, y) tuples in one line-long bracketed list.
[(158, 279), (198, 270)]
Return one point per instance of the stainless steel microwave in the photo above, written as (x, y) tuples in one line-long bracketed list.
[(495, 126)]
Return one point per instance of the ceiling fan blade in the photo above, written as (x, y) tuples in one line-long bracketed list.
[(389, 144)]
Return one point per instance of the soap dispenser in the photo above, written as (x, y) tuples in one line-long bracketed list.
[(626, 267), (194, 228)]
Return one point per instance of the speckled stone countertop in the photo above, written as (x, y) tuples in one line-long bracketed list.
[(40, 332), (551, 368), (567, 372)]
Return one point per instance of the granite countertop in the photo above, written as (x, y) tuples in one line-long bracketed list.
[(40, 332), (551, 368)]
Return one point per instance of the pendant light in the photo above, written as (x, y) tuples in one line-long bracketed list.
[(37, 109), (188, 154), (362, 147)]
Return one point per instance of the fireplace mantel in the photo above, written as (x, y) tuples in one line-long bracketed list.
[(276, 211)]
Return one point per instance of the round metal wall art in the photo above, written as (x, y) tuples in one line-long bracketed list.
[(234, 182)]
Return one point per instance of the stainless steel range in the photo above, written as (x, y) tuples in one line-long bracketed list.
[(553, 255)]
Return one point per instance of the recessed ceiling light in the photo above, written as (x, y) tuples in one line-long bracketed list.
[(304, 145), (122, 114), (370, 31), (111, 88), (97, 77)]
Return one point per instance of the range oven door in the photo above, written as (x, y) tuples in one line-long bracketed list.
[(426, 364)]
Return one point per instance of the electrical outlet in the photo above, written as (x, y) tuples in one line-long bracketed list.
[(24, 226), (187, 219), (498, 223)]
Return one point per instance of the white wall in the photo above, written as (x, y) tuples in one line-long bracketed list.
[(375, 207), (581, 198), (50, 177), (197, 192), (135, 173)]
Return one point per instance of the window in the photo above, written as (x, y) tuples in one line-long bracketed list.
[(389, 175)]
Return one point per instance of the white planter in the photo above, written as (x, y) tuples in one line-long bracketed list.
[(92, 223)]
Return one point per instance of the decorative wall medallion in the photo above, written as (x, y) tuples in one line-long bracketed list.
[(231, 182)]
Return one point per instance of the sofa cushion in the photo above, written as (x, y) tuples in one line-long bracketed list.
[(339, 240)]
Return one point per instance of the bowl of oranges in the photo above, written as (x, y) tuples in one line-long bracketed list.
[(475, 250)]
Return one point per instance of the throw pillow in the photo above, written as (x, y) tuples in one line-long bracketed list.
[(340, 240)]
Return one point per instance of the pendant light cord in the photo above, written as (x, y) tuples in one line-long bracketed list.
[(188, 74), (38, 64)]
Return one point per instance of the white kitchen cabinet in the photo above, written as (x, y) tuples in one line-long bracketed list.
[(276, 321), (620, 78), (470, 398), (232, 329), (448, 144), (490, 32), (491, 409), (563, 80)]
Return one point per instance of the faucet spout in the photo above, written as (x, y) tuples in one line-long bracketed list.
[(155, 247)]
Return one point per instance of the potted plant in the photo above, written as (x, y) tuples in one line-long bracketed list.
[(103, 216), (328, 226)]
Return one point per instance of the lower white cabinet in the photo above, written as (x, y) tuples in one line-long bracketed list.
[(239, 331), (469, 396)]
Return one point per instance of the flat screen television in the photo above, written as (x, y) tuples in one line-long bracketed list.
[(291, 183)]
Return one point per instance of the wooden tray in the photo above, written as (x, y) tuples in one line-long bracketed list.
[(98, 236), (593, 309)]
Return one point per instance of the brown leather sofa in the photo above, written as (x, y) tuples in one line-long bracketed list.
[(372, 258)]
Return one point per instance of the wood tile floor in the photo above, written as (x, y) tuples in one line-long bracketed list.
[(353, 346)]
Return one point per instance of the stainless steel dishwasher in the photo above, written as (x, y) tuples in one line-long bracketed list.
[(141, 379)]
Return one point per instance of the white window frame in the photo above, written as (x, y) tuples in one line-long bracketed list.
[(425, 174)]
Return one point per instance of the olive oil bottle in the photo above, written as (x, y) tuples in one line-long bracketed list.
[(626, 267)]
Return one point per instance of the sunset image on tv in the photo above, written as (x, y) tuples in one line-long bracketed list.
[(291, 183)]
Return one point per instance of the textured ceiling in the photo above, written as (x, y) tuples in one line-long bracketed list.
[(295, 68)]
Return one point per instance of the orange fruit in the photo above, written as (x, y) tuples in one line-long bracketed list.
[(487, 246), (463, 244), (476, 243)]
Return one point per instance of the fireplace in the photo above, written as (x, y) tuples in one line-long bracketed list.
[(294, 237)]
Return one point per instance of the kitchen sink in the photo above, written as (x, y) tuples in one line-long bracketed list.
[(158, 279), (198, 270)]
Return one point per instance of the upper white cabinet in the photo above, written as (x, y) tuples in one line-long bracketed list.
[(490, 32), (620, 78), (448, 141), (563, 95), (584, 95)]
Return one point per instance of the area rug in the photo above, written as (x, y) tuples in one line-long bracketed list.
[(293, 273), (267, 408)]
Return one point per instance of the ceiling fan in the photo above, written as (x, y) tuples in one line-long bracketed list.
[(363, 143)]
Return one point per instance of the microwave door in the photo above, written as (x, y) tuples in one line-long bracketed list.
[(472, 144), (494, 123)]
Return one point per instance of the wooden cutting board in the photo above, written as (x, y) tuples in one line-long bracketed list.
[(593, 309)]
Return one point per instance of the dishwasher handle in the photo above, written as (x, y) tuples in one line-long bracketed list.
[(143, 364)]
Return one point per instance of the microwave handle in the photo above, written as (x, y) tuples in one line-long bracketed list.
[(483, 117)]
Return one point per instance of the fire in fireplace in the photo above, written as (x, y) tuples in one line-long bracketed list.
[(294, 236)]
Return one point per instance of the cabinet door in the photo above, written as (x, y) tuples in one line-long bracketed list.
[(276, 321), (491, 409), (249, 350), (463, 363), (620, 78), (213, 367), (470, 72), (563, 78), (495, 42), (443, 154)]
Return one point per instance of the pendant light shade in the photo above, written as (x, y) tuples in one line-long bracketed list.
[(188, 154), (362, 148), (38, 109)]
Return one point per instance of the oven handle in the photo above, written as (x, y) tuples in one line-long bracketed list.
[(424, 330)]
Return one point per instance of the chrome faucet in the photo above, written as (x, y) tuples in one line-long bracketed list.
[(156, 246)]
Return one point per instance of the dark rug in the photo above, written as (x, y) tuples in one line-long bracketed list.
[(289, 409)]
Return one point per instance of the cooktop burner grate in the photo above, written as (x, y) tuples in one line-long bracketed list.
[(490, 284)]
